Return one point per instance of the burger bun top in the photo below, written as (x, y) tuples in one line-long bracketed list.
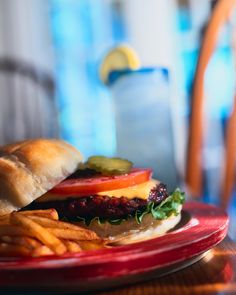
[(30, 168)]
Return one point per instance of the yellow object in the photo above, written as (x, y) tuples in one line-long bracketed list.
[(121, 57), (140, 191)]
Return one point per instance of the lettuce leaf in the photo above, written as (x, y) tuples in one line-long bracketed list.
[(159, 211), (163, 210)]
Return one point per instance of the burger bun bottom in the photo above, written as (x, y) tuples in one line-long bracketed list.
[(130, 231)]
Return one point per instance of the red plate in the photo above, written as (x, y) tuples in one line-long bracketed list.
[(202, 227)]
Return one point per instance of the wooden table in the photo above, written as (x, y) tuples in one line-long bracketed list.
[(215, 273)]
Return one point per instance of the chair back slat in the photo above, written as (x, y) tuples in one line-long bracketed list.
[(194, 172), (27, 102)]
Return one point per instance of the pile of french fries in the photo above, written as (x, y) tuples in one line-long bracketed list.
[(39, 233)]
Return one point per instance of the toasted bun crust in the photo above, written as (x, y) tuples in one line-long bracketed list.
[(30, 168), (129, 231)]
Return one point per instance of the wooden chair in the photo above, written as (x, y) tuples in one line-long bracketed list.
[(27, 102), (194, 175)]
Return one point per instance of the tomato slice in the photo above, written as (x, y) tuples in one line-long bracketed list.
[(95, 184)]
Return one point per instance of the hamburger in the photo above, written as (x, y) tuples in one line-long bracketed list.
[(107, 195)]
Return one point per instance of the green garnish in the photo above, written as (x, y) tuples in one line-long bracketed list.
[(161, 211)]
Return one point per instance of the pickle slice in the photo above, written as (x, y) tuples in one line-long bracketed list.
[(109, 166)]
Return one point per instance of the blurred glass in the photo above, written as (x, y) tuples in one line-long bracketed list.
[(144, 132)]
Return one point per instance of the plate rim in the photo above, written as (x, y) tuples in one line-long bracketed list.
[(127, 252)]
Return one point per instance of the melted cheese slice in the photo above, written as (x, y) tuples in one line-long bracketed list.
[(139, 191)]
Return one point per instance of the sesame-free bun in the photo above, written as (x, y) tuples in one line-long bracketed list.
[(30, 168)]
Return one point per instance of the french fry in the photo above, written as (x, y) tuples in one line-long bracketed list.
[(62, 225), (7, 222), (13, 230), (41, 251), (53, 223), (6, 239), (32, 243), (4, 219), (39, 232), (22, 241), (72, 247), (4, 216), (49, 213), (70, 234), (91, 245), (8, 250)]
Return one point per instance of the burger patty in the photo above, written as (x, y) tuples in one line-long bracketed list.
[(104, 207)]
